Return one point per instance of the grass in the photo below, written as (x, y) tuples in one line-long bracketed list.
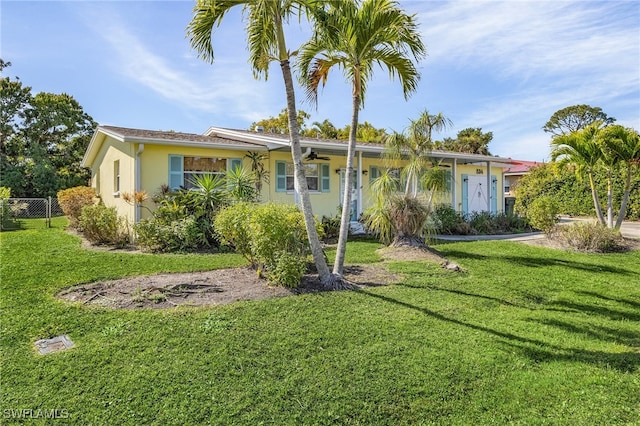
[(527, 335)]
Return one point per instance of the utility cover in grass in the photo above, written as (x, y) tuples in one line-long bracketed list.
[(55, 344)]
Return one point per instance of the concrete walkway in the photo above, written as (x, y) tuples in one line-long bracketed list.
[(628, 230)]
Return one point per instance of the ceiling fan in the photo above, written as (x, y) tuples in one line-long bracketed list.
[(314, 156)]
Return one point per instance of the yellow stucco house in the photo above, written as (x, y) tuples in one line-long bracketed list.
[(124, 160)]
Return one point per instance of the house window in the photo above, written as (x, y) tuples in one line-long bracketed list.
[(317, 176), (116, 176), (183, 169)]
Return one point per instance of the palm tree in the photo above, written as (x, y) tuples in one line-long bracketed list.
[(405, 216), (416, 145), (354, 37), (622, 146), (266, 43), (582, 149)]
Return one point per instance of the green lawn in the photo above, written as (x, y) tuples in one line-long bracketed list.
[(526, 336)]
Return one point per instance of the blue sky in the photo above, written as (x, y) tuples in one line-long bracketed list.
[(503, 66)]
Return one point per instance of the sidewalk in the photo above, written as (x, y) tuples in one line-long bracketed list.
[(628, 230)]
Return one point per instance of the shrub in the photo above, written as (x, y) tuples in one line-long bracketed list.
[(232, 228), (179, 235), (183, 220), (542, 213), (72, 201), (591, 237), (446, 220), (5, 211), (101, 225), (272, 236), (331, 225)]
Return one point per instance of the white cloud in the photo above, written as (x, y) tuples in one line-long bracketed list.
[(226, 88)]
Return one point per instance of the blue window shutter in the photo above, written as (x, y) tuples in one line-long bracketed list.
[(494, 194), (374, 173), (235, 163), (176, 171), (281, 176), (465, 194), (325, 178)]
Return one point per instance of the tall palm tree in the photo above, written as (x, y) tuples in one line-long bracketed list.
[(622, 146), (354, 37), (415, 145), (582, 149), (266, 43)]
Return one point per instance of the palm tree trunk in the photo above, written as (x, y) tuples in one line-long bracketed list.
[(596, 201), (338, 265), (625, 199), (300, 178)]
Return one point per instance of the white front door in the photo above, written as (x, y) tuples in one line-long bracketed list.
[(354, 193), (477, 194)]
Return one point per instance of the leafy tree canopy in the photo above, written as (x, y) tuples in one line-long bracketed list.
[(471, 140), (43, 138), (366, 132), (576, 117), (280, 124)]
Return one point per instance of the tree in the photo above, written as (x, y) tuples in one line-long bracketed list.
[(366, 132), (42, 141), (324, 130), (582, 149), (404, 217), (266, 43), (621, 146), (280, 124), (574, 118), (471, 140), (416, 144), (355, 37)]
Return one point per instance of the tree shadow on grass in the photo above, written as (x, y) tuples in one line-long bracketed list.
[(598, 310), (631, 303), (532, 348), (541, 262), (605, 334)]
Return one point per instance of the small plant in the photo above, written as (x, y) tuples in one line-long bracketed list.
[(331, 225), (101, 225), (72, 201), (542, 213), (591, 237)]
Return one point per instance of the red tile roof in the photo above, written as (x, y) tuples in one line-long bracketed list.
[(521, 166)]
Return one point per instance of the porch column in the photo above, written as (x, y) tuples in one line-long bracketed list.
[(454, 185), (359, 183), (489, 186)]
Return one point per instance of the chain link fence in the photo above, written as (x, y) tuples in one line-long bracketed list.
[(20, 213)]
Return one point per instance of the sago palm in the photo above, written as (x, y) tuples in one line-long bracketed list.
[(355, 37), (266, 43)]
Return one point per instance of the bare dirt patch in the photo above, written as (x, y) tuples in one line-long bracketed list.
[(207, 288), (408, 253)]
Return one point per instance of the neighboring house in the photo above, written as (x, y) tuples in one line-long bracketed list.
[(124, 160), (512, 174)]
